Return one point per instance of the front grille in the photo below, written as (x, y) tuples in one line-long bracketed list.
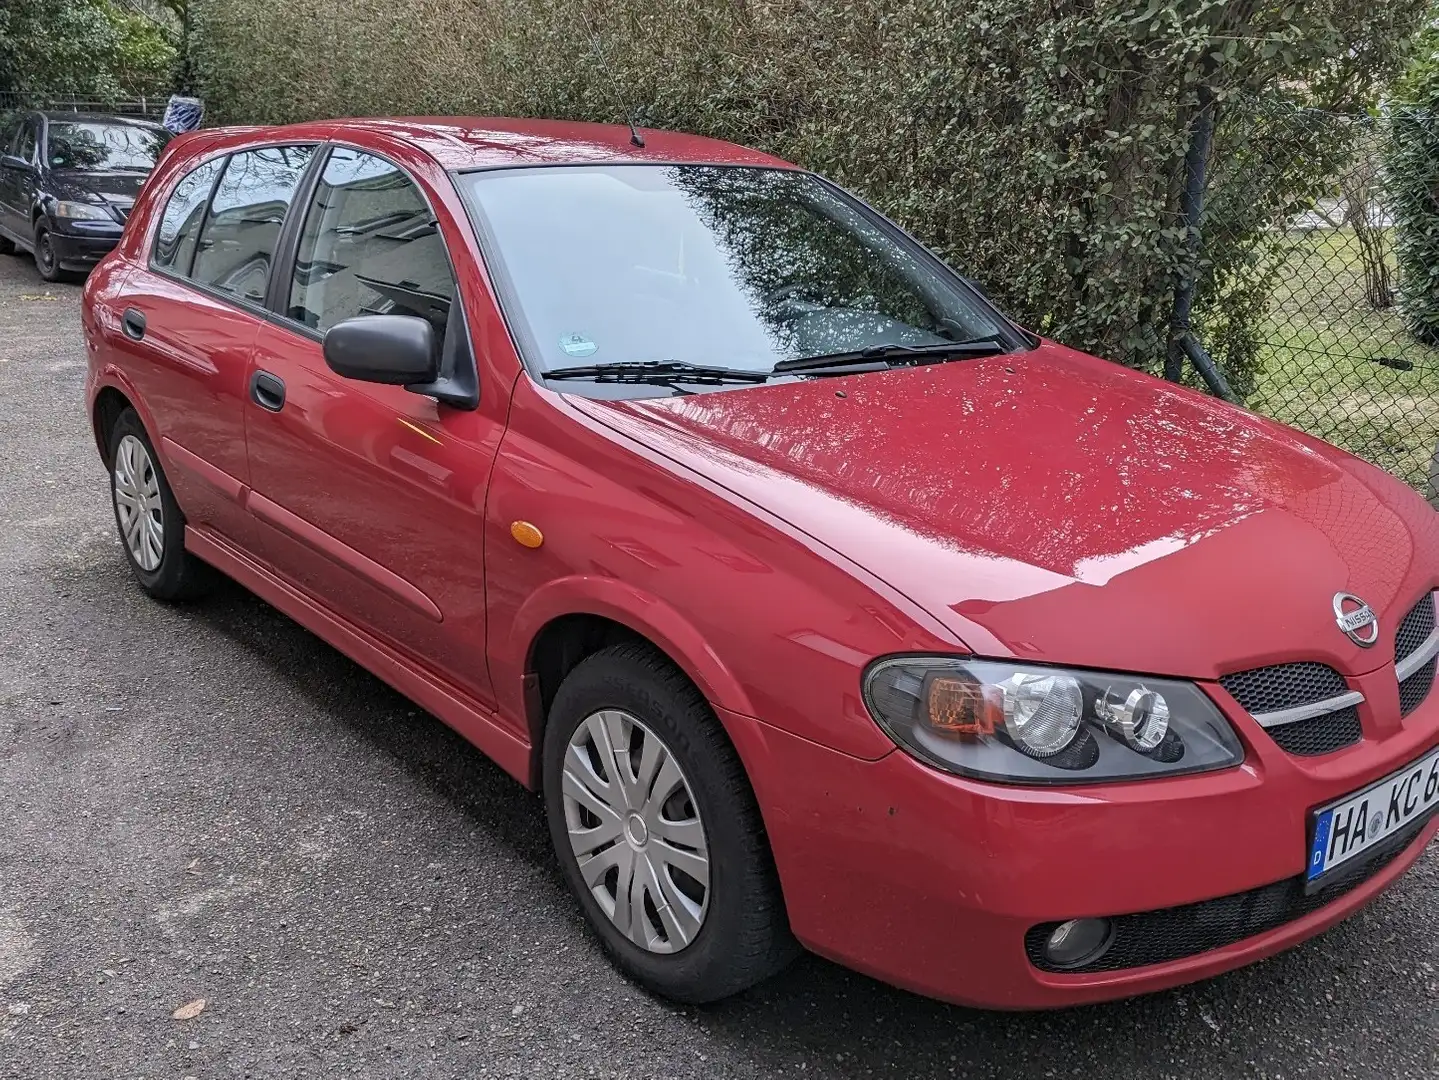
[(1284, 686), (1320, 734), (1413, 690), (1415, 629), (1158, 937)]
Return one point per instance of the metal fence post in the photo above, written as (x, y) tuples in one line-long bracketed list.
[(1182, 342)]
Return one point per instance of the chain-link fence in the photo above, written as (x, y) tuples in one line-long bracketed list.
[(1347, 345)]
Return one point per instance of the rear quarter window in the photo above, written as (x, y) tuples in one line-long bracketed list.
[(180, 223)]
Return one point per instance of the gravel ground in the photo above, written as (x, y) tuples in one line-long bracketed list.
[(207, 802)]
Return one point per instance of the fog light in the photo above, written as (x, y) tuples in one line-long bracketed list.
[(1078, 942)]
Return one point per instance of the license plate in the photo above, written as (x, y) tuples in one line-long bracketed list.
[(1360, 822)]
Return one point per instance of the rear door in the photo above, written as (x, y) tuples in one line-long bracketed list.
[(190, 316), (373, 496)]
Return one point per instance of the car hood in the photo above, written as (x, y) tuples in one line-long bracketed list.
[(118, 188), (1052, 506)]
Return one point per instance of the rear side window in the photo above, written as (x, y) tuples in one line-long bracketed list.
[(180, 224), (237, 242), (369, 246)]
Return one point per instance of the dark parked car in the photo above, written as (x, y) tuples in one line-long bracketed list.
[(67, 182)]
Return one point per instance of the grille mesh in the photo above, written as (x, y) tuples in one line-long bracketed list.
[(1320, 735), (1416, 627), (1158, 937), (1413, 690), (1283, 686)]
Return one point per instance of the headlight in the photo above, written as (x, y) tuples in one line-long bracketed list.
[(1039, 725), (81, 211)]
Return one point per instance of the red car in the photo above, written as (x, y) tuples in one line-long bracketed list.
[(826, 606)]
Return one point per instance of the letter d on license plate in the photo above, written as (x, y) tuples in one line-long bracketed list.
[(1361, 822)]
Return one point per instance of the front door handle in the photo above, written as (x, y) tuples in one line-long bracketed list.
[(133, 323), (268, 391)]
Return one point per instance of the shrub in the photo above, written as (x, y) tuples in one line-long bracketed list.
[(1412, 164), (1038, 146)]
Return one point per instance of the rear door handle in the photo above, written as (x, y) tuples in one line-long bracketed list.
[(133, 323), (268, 391)]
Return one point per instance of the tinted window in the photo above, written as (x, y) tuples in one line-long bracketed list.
[(243, 225), (116, 147), (369, 246), (735, 267), (180, 224)]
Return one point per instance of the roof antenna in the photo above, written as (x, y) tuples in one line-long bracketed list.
[(636, 138)]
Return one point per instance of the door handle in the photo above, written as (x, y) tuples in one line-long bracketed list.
[(133, 323), (268, 391)]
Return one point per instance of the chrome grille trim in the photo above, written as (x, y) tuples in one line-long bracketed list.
[(1280, 717), (1419, 657)]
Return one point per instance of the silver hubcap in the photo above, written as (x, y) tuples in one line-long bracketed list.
[(636, 831), (137, 503)]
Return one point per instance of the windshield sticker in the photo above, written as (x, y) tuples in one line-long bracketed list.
[(578, 345)]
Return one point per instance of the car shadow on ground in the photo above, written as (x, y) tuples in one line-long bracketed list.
[(835, 1014)]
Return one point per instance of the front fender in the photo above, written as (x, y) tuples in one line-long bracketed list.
[(629, 606)]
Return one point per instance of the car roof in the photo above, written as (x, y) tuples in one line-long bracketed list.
[(464, 142), (62, 116)]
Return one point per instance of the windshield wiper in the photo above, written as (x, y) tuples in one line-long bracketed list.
[(657, 371), (897, 355)]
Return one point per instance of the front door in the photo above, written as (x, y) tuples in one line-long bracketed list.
[(17, 181), (372, 497)]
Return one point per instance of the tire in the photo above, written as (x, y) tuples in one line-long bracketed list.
[(46, 261), (7, 246), (151, 526), (718, 940)]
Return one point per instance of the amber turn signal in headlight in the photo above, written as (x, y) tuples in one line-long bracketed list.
[(1026, 723)]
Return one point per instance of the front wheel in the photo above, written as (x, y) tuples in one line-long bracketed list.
[(46, 261), (657, 831), (152, 529)]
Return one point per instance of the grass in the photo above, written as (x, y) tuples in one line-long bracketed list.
[(1320, 369)]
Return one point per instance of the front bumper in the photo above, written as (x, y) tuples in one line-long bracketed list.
[(931, 882), (81, 245)]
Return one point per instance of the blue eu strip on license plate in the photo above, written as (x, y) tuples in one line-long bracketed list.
[(1360, 822)]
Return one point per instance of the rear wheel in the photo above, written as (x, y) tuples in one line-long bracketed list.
[(152, 529), (657, 831)]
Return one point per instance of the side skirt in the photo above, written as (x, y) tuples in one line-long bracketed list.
[(476, 724)]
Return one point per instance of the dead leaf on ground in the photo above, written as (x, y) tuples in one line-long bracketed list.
[(190, 1011)]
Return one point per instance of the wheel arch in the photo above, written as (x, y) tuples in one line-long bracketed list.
[(569, 620), (110, 402)]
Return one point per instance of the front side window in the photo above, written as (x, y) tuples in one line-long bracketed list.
[(733, 267), (369, 246), (237, 241), (180, 223), (25, 142), (105, 147)]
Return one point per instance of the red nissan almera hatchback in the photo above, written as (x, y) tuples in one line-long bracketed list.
[(824, 605)]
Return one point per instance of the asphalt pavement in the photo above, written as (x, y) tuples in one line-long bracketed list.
[(208, 802)]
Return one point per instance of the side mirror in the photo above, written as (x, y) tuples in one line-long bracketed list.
[(395, 349), (10, 161)]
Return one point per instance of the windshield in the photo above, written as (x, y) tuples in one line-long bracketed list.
[(108, 147), (732, 267)]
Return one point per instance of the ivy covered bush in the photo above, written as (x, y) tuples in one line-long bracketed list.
[(1038, 145), (1413, 180)]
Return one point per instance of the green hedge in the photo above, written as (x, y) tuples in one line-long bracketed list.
[(1038, 146)]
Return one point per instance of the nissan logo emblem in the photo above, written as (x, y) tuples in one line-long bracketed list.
[(1356, 619)]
